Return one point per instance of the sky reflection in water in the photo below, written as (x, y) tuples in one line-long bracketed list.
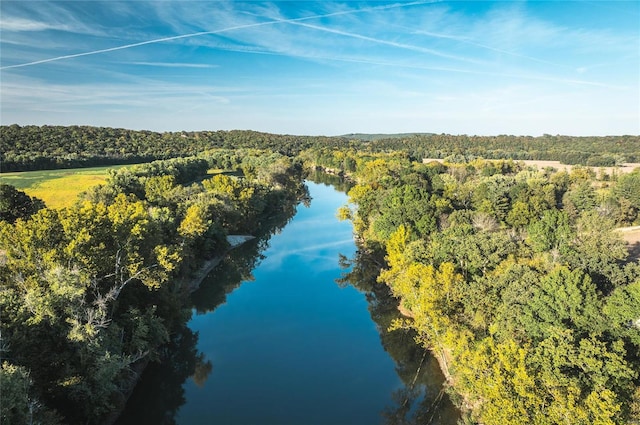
[(292, 346)]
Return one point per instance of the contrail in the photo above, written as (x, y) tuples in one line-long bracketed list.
[(384, 42), (198, 34), (427, 68), (484, 46)]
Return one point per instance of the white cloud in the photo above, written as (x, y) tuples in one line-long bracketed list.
[(22, 24), (36, 16)]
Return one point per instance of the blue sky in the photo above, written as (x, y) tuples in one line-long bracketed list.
[(305, 67)]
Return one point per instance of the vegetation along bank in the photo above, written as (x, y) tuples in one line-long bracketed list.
[(91, 291), (516, 280)]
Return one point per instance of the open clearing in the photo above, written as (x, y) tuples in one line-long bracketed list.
[(626, 168), (630, 234), (58, 188)]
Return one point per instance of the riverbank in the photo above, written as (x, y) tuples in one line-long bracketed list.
[(191, 286), (196, 279), (280, 300), (443, 357), (486, 296)]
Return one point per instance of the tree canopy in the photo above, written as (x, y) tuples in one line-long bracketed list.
[(518, 283)]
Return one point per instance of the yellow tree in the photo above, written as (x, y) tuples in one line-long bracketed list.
[(195, 222)]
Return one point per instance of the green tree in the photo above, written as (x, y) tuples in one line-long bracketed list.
[(15, 204), (627, 188), (586, 378), (580, 197), (195, 223), (596, 249), (405, 205), (622, 309), (552, 233), (18, 405), (159, 188), (520, 215)]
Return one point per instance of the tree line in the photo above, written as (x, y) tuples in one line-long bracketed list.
[(603, 151), (24, 148), (27, 148)]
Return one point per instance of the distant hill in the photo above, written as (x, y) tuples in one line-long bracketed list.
[(24, 148), (371, 137)]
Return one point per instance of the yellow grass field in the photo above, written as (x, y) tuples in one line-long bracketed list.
[(62, 192), (60, 188), (57, 188)]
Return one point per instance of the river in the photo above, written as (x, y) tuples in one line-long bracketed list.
[(274, 338)]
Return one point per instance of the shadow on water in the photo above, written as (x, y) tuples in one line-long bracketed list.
[(422, 398), (160, 393), (228, 276)]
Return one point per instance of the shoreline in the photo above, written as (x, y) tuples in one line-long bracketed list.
[(443, 358), (191, 286), (196, 279)]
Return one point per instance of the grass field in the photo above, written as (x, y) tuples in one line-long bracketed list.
[(60, 188), (57, 188)]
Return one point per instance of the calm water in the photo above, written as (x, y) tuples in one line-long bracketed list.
[(283, 343)]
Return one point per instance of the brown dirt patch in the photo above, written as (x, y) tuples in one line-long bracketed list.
[(631, 236), (626, 168)]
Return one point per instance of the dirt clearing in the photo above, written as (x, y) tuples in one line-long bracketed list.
[(631, 235)]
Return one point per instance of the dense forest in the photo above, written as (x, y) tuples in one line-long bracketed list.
[(513, 277), (48, 147), (91, 293)]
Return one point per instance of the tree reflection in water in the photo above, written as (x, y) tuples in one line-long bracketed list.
[(159, 393), (338, 182), (422, 399)]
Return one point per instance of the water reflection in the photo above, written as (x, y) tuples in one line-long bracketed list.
[(412, 392), (422, 399), (160, 393), (227, 276), (338, 182)]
